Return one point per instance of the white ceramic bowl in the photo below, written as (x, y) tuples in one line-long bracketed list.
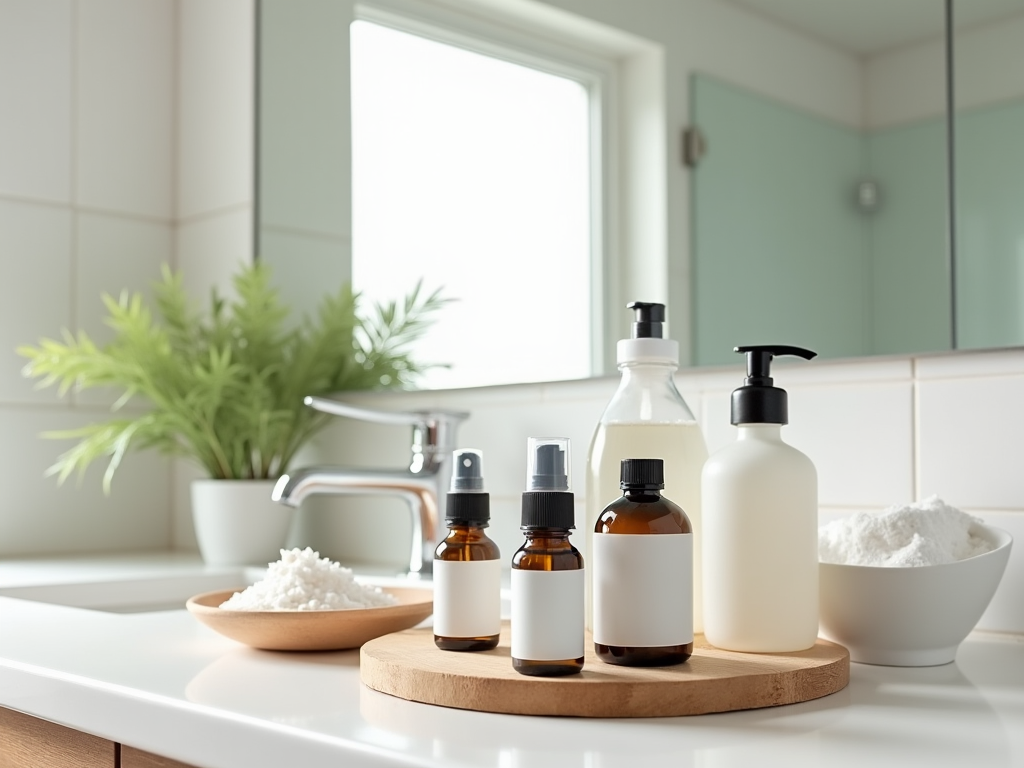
[(913, 616)]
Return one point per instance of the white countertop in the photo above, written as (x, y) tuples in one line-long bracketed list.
[(162, 682)]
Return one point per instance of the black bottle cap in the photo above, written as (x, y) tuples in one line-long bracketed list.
[(642, 474), (472, 508), (649, 319), (548, 509), (757, 401)]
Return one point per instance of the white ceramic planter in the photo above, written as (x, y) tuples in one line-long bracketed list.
[(236, 522)]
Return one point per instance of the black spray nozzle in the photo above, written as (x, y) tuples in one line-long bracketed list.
[(467, 502), (547, 502), (649, 319), (467, 471), (549, 469), (757, 401)]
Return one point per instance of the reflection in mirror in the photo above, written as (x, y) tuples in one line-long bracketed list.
[(989, 131), (472, 173), (823, 226), (819, 213)]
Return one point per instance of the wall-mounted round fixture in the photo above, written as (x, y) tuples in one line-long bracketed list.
[(867, 195)]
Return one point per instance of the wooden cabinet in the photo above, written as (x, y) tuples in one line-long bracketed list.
[(136, 758), (28, 742)]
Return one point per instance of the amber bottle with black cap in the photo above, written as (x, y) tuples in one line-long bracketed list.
[(642, 569), (547, 571), (467, 564)]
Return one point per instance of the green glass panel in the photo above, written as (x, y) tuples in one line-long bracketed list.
[(779, 247), (908, 239), (990, 226), (782, 252)]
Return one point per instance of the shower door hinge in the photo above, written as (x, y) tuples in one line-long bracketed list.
[(694, 146)]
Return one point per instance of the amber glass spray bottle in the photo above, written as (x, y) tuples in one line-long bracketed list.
[(547, 571), (467, 564)]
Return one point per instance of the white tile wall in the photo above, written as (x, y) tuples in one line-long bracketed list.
[(116, 251), (125, 106), (216, 98), (39, 517), (36, 90), (94, 122), (211, 248), (968, 443), (36, 243), (871, 427)]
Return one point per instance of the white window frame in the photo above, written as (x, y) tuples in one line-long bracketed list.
[(605, 61)]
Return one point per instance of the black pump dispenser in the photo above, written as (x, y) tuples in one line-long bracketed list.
[(757, 401), (649, 320)]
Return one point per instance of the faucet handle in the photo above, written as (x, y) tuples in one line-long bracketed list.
[(435, 428)]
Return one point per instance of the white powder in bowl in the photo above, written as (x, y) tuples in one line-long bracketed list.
[(303, 581), (926, 533)]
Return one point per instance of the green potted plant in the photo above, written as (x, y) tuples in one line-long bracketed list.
[(225, 387)]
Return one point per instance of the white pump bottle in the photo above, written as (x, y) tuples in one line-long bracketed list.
[(760, 508)]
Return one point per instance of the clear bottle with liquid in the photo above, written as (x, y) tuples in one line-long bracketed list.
[(467, 564), (547, 571), (648, 417)]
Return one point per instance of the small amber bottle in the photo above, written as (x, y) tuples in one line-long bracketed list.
[(547, 571), (467, 564), (642, 564)]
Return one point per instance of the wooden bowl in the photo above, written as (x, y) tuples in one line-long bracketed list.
[(312, 630)]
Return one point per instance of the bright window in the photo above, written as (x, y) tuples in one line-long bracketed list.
[(474, 173)]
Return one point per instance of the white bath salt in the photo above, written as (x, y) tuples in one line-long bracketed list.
[(929, 532), (303, 581)]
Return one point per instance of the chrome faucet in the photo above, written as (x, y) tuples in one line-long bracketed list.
[(424, 485)]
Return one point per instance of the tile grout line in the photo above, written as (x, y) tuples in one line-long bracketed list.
[(915, 429), (74, 266), (175, 182)]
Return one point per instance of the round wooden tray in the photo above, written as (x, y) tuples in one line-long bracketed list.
[(408, 665)]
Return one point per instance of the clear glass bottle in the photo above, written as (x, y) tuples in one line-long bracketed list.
[(642, 567), (547, 571), (647, 417), (467, 564)]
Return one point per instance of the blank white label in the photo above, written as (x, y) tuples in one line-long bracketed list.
[(643, 589), (547, 615), (467, 598)]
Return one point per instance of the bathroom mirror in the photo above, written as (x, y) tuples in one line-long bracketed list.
[(815, 208), (988, 126)]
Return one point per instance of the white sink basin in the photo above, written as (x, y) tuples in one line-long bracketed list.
[(136, 594), (133, 586)]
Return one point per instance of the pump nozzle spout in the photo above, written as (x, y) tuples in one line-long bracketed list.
[(757, 401), (759, 360)]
